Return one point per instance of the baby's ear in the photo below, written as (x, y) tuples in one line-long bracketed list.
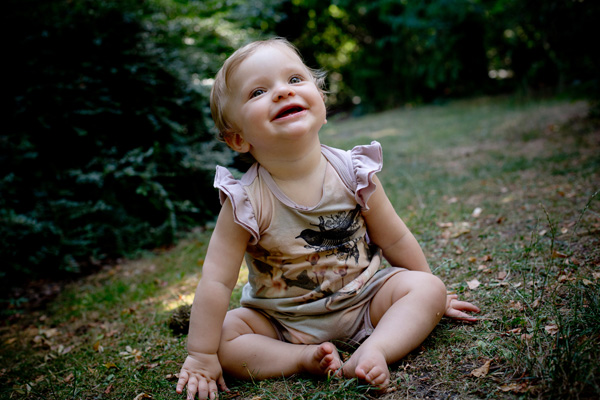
[(236, 141)]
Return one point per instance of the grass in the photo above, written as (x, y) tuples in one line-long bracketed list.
[(501, 193)]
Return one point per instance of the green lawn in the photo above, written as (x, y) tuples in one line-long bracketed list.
[(501, 193)]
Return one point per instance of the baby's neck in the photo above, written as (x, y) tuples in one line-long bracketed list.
[(301, 178)]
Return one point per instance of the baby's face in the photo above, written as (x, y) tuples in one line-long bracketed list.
[(273, 102)]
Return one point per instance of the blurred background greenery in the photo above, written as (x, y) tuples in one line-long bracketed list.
[(109, 147)]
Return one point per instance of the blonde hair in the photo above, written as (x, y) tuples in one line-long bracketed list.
[(220, 89)]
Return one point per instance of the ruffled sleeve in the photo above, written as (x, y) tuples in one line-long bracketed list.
[(366, 161), (243, 213)]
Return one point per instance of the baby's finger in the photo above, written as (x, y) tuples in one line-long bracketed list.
[(192, 388), (465, 305), (213, 391), (203, 389), (183, 378), (463, 316), (222, 384)]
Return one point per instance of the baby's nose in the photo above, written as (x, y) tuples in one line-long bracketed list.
[(283, 91)]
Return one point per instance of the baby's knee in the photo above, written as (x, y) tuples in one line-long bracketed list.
[(439, 287), (435, 288)]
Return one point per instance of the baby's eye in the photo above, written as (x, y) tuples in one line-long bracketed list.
[(295, 79), (257, 93)]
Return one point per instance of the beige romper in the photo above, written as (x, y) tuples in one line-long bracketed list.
[(311, 269)]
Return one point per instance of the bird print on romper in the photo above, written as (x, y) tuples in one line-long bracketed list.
[(334, 236)]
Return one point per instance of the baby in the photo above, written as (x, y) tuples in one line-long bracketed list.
[(313, 223)]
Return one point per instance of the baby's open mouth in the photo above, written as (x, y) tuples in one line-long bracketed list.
[(289, 111)]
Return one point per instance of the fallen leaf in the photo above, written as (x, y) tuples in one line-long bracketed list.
[(49, 333), (109, 389), (473, 284), (460, 229), (536, 304), (110, 365), (472, 259), (514, 387), (476, 212), (142, 396), (502, 275), (486, 258), (148, 366), (551, 329), (587, 282), (171, 377), (558, 254), (131, 353), (482, 371), (575, 261), (527, 336), (596, 275), (98, 348), (516, 305)]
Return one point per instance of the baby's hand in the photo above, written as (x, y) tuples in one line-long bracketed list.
[(203, 375), (455, 309)]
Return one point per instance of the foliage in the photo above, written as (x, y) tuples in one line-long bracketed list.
[(385, 53), (107, 148)]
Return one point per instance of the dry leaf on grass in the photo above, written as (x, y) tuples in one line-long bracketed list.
[(551, 329), (483, 370), (68, 378), (517, 305), (452, 231), (110, 365), (98, 347), (558, 254), (514, 387), (473, 284), (142, 396)]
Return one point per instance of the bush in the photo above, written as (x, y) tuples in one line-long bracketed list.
[(107, 149)]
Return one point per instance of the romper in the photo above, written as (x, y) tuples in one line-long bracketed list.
[(312, 270)]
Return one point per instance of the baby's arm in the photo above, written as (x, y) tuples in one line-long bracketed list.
[(201, 371), (388, 231)]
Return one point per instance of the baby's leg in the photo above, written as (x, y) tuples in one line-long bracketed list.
[(250, 348), (404, 312)]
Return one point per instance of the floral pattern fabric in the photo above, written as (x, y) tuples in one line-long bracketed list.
[(311, 269)]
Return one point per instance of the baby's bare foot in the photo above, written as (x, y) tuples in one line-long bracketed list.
[(322, 359), (368, 365)]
